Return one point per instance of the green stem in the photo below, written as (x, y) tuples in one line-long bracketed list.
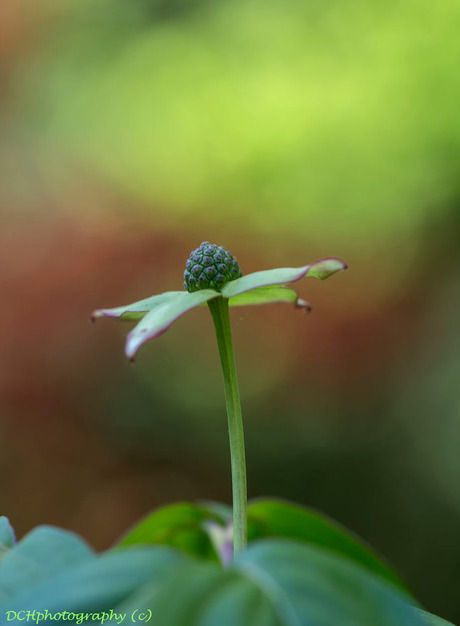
[(221, 318)]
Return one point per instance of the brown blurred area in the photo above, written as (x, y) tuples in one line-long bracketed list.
[(353, 409)]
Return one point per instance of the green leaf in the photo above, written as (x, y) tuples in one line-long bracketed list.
[(224, 512), (279, 583), (434, 620), (181, 526), (268, 295), (41, 555), (272, 583), (202, 594), (319, 269), (323, 588), (164, 312), (7, 536), (100, 583), (275, 518), (186, 526)]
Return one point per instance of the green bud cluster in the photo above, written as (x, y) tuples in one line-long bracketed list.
[(210, 267)]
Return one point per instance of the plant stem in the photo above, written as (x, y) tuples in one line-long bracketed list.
[(220, 315)]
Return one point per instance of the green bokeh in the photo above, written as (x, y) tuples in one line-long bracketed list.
[(337, 118)]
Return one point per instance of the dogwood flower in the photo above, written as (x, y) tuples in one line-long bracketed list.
[(212, 272), (212, 275)]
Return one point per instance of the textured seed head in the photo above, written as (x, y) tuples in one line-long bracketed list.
[(210, 267)]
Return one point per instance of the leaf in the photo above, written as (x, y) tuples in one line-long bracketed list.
[(319, 269), (180, 526), (321, 588), (223, 512), (100, 583), (275, 518), (42, 554), (268, 295), (202, 594), (186, 526), (7, 536), (279, 583), (272, 583), (434, 620), (164, 312)]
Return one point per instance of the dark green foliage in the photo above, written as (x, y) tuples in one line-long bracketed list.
[(185, 526), (328, 578), (277, 518), (181, 525)]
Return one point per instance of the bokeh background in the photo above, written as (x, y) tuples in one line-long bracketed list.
[(133, 130)]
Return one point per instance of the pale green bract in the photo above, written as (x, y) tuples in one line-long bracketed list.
[(319, 269), (268, 295), (157, 313)]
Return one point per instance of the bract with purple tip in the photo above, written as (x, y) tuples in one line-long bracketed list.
[(157, 313)]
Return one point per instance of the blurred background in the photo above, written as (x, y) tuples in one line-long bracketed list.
[(130, 131)]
